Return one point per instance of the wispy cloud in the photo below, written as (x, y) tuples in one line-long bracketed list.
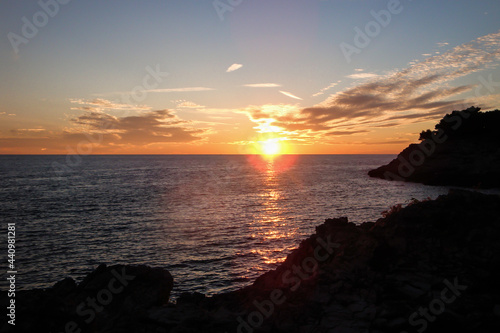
[(97, 127), (362, 76), (99, 104), (30, 130), (286, 93), (234, 67), (151, 127), (262, 85), (38, 132), (106, 132), (188, 105), (345, 132), (420, 92), (322, 90), (186, 89)]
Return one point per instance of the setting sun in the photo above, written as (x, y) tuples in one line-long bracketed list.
[(270, 147)]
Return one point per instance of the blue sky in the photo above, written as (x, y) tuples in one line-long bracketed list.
[(84, 62)]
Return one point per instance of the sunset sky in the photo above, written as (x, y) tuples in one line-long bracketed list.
[(217, 77)]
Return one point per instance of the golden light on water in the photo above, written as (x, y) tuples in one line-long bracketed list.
[(271, 224), (271, 157)]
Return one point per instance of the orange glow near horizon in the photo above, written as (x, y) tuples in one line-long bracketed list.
[(270, 147)]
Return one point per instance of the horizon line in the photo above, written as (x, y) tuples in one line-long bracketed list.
[(182, 154)]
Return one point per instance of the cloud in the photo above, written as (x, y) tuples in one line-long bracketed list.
[(7, 114), (393, 124), (151, 127), (388, 142), (286, 93), (442, 44), (97, 126), (362, 76), (186, 89), (127, 95), (322, 90), (188, 105), (38, 132), (30, 130), (99, 104), (420, 92), (345, 132), (262, 85), (234, 67)]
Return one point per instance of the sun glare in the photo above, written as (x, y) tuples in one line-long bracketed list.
[(270, 147)]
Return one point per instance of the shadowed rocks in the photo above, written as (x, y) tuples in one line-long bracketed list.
[(110, 299)]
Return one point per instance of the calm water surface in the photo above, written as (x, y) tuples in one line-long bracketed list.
[(215, 222)]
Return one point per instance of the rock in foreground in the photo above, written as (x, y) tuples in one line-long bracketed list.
[(463, 150), (431, 266), (110, 299)]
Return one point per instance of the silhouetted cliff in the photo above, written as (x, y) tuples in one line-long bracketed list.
[(463, 150)]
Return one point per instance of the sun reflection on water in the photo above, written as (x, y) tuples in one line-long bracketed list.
[(270, 226)]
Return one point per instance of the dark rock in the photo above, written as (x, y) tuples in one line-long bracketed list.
[(108, 298), (192, 298), (463, 150)]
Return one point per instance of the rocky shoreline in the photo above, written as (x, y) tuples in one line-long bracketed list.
[(430, 266), (463, 150)]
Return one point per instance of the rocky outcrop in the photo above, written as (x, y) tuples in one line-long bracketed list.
[(430, 266), (463, 150), (110, 299)]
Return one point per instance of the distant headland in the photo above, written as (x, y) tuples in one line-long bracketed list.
[(463, 150)]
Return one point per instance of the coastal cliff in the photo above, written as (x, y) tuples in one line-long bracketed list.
[(430, 266), (463, 150)]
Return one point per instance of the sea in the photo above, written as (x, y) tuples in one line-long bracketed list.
[(216, 222)]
